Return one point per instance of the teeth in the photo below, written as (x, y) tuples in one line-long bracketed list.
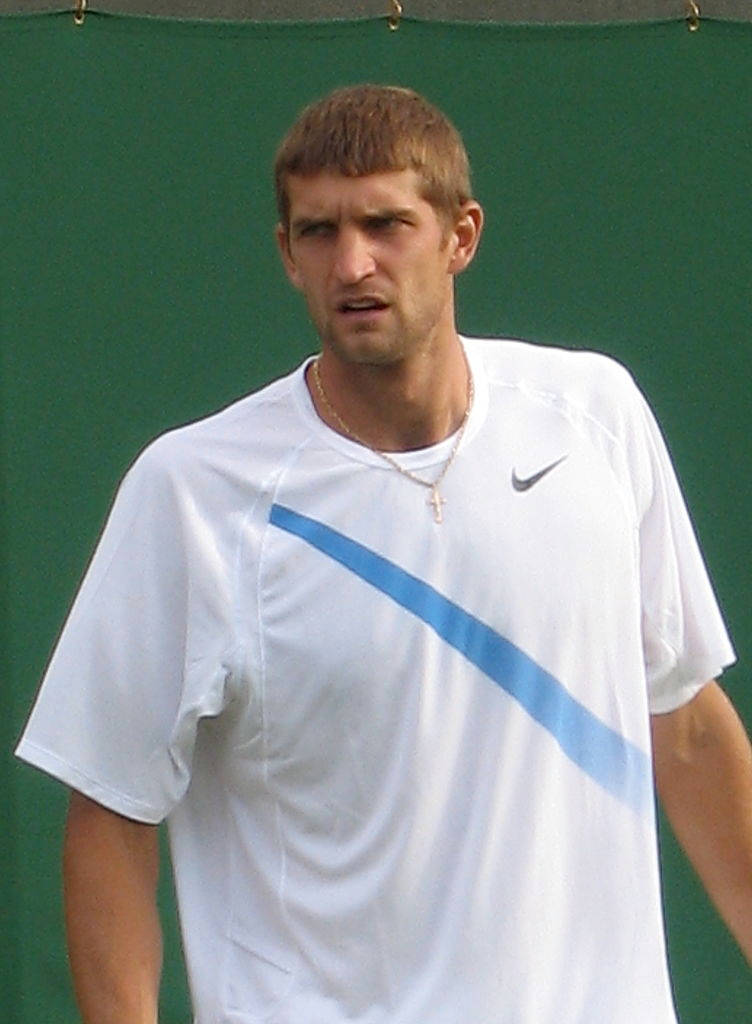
[(362, 304)]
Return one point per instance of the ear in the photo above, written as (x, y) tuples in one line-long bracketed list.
[(282, 235), (465, 236)]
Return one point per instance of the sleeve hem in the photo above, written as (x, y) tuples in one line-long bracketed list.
[(68, 774), (688, 689)]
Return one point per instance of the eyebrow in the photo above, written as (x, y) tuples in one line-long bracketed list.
[(300, 224), (390, 211)]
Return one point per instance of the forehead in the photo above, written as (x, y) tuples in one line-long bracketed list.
[(334, 195)]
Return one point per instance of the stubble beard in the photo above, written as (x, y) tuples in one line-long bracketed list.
[(366, 346), (382, 344)]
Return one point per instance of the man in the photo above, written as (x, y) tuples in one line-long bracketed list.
[(385, 643)]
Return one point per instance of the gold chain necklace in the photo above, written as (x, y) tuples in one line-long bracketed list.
[(436, 501)]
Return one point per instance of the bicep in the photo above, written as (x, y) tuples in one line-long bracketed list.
[(695, 734), (110, 869), (703, 770), (101, 845)]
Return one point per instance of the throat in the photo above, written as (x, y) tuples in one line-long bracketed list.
[(375, 411)]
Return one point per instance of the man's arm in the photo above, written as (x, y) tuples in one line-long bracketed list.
[(703, 770), (110, 871)]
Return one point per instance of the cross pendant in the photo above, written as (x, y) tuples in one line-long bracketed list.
[(437, 501)]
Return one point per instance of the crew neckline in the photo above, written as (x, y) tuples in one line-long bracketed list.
[(418, 458)]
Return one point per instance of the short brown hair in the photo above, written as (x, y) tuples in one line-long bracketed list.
[(367, 129)]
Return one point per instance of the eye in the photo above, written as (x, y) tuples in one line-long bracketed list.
[(317, 229), (384, 222)]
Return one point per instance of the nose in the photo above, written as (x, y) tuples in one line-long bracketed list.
[(353, 259)]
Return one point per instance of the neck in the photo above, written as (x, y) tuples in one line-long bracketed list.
[(396, 407)]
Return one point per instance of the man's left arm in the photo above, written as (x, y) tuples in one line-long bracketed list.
[(703, 769)]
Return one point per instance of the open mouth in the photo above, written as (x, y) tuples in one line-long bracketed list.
[(365, 305)]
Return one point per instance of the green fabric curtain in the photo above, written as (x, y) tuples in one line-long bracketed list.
[(139, 288)]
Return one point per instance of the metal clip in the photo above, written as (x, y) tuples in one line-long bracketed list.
[(693, 15), (395, 14), (80, 12)]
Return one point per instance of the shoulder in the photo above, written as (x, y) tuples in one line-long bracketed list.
[(579, 382), (513, 361), (241, 440), (218, 467)]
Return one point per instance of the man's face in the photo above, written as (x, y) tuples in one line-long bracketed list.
[(374, 261)]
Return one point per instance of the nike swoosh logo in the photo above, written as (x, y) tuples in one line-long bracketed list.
[(525, 483)]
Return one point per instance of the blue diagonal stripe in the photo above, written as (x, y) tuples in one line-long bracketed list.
[(606, 756)]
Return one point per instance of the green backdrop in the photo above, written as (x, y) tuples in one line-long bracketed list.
[(140, 288)]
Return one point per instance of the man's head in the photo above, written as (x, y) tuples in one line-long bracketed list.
[(376, 221), (368, 129)]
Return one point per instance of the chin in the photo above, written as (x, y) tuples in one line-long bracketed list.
[(365, 348)]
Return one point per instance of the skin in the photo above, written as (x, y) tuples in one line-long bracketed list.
[(110, 871), (398, 376), (703, 770), (396, 373)]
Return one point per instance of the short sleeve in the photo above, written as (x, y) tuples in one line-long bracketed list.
[(143, 656), (684, 637)]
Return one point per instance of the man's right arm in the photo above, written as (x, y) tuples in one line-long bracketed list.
[(110, 871)]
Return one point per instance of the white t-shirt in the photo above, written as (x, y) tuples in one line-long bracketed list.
[(405, 765)]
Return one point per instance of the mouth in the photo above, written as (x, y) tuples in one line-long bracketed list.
[(363, 306)]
